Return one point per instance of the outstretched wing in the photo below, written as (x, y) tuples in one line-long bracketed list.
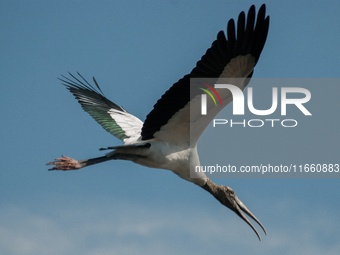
[(232, 58), (110, 116)]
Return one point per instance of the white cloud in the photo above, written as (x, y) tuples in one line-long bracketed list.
[(123, 228)]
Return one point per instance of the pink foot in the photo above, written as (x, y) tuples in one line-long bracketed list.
[(64, 163)]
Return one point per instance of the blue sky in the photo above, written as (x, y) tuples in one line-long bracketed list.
[(136, 51)]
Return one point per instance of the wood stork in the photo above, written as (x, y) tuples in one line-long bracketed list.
[(163, 140)]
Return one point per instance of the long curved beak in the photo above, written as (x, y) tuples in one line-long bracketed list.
[(227, 197), (241, 207)]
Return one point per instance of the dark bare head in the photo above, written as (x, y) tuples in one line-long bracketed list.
[(227, 197)]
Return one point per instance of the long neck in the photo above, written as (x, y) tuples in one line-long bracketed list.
[(210, 187), (224, 194)]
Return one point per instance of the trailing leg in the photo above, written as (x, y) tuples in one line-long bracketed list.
[(65, 163)]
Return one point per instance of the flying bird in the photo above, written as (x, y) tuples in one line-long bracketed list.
[(168, 137)]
